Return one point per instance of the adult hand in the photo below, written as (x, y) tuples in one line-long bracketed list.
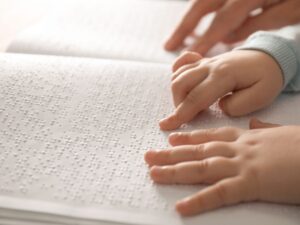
[(233, 21)]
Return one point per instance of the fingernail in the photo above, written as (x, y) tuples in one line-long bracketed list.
[(173, 135), (155, 172), (164, 123), (181, 206), (163, 120)]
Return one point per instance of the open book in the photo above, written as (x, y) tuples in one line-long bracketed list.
[(73, 130)]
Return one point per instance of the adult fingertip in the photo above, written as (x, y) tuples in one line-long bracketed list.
[(169, 45)]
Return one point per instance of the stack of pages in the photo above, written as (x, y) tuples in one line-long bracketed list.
[(73, 130)]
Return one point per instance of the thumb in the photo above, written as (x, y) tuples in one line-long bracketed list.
[(257, 124), (242, 102)]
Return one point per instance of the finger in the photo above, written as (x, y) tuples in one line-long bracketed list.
[(226, 192), (267, 20), (186, 82), (190, 20), (185, 153), (183, 69), (195, 172), (186, 58), (245, 101), (227, 19), (206, 135), (257, 124), (199, 99)]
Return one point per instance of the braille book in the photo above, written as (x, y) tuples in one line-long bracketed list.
[(76, 120)]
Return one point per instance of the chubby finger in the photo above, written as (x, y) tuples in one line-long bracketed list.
[(226, 192), (195, 172), (183, 69), (244, 101), (186, 81), (190, 20), (257, 124), (199, 99), (206, 135), (185, 153), (186, 58)]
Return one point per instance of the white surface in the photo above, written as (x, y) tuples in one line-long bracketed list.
[(116, 29), (72, 137)]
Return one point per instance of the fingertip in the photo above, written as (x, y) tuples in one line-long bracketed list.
[(149, 157), (182, 207), (163, 124), (155, 173), (170, 45), (186, 57), (169, 123), (253, 123), (227, 106), (178, 138), (172, 138), (222, 106)]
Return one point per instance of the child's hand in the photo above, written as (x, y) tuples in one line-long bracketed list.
[(245, 80), (242, 165)]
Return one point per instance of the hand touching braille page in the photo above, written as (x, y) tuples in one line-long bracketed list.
[(241, 81), (73, 133), (240, 165)]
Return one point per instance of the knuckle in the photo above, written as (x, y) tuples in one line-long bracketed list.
[(175, 86), (192, 98), (203, 166), (199, 152), (213, 145), (220, 70)]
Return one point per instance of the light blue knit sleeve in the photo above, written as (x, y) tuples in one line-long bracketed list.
[(284, 47)]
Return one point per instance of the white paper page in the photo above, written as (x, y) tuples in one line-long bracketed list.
[(115, 29), (73, 133)]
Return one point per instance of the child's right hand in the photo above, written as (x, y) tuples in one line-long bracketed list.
[(245, 80)]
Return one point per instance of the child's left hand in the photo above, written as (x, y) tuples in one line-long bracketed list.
[(241, 165)]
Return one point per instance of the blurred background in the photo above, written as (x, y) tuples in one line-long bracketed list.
[(16, 15)]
